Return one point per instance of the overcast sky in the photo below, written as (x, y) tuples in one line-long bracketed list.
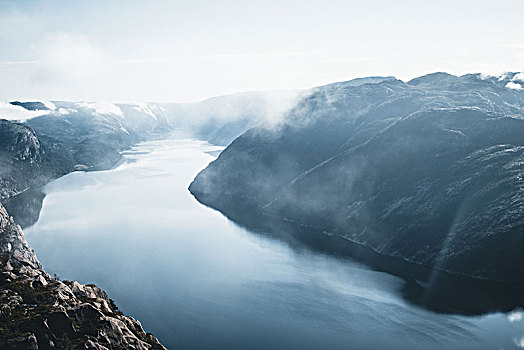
[(126, 51)]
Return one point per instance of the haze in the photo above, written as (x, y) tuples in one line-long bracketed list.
[(185, 51)]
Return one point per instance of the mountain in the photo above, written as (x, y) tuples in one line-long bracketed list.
[(26, 161), (87, 136), (57, 138), (429, 171), (32, 105), (41, 312), (96, 132), (41, 141)]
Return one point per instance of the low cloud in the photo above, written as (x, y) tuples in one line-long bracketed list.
[(11, 112), (102, 108)]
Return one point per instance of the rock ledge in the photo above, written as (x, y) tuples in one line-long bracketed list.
[(41, 312)]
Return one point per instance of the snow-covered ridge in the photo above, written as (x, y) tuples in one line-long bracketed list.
[(519, 77), (15, 112), (267, 106), (19, 112), (513, 83), (512, 80)]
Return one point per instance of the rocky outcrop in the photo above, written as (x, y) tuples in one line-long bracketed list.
[(41, 312)]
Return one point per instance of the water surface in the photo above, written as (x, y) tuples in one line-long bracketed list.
[(198, 281)]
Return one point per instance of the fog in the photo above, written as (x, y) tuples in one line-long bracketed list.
[(126, 51)]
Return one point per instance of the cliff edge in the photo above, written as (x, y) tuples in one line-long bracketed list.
[(41, 312)]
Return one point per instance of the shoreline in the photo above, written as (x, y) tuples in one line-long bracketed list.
[(432, 288)]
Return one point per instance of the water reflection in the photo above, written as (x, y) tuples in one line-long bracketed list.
[(25, 207), (199, 281)]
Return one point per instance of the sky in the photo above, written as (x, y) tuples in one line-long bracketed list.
[(125, 51)]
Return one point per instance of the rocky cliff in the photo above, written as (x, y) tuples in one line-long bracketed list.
[(26, 161), (41, 312)]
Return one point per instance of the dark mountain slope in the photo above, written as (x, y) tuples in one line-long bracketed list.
[(429, 171), (26, 161)]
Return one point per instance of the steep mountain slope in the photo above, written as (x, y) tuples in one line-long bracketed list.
[(25, 161), (40, 312), (429, 171)]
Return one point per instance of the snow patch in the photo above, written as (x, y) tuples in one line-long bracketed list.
[(503, 76), (457, 132), (513, 86), (49, 105), (518, 76), (64, 111), (102, 108), (499, 76), (144, 108)]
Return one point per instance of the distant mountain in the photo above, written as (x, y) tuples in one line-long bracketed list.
[(107, 129), (220, 120), (430, 171), (32, 106), (66, 137)]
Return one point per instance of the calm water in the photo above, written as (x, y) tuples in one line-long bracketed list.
[(198, 281)]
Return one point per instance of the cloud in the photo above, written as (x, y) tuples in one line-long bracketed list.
[(17, 25), (11, 112), (66, 57), (102, 108), (519, 342), (226, 56), (12, 63)]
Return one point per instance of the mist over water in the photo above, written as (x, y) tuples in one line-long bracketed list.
[(198, 281)]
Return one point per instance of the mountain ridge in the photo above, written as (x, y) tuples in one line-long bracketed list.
[(360, 161)]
